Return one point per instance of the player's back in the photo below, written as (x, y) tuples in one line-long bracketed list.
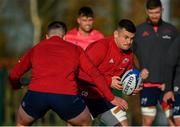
[(54, 62)]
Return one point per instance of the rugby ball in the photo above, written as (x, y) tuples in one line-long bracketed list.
[(130, 81)]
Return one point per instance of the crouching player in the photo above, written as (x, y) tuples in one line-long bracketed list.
[(54, 63), (113, 57)]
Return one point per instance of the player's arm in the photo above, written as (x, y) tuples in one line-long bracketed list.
[(97, 53), (171, 62), (95, 75), (144, 73), (22, 66), (92, 71)]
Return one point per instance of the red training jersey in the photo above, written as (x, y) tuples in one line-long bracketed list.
[(110, 60), (54, 64), (76, 38)]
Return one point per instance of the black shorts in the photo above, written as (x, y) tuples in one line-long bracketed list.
[(36, 104), (98, 106), (176, 106), (150, 96)]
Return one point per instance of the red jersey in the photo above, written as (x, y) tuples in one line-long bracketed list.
[(54, 64), (76, 38), (110, 60)]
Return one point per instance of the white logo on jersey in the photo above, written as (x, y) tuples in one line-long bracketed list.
[(166, 37), (144, 101), (176, 109), (111, 60), (84, 93), (125, 60), (19, 61), (176, 88), (23, 104)]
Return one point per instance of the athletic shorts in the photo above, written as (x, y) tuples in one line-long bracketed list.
[(176, 106), (36, 104), (110, 115), (98, 106), (150, 96)]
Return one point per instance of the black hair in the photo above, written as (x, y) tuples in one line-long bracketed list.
[(86, 11), (151, 4), (127, 24), (57, 24)]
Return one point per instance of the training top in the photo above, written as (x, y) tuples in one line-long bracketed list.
[(55, 64), (76, 38), (110, 60), (151, 48), (173, 67)]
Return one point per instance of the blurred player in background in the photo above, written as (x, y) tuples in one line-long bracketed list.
[(173, 79), (113, 57), (54, 63), (152, 41), (84, 34)]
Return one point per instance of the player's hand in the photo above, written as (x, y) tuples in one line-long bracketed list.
[(20, 83), (15, 84), (144, 73), (137, 90), (162, 87), (116, 84), (120, 102), (168, 95)]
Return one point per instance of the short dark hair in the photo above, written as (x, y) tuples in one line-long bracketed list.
[(85, 11), (151, 4), (56, 25), (127, 24)]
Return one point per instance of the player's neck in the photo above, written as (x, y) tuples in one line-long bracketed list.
[(83, 33)]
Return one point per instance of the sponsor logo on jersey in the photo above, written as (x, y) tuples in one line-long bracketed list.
[(84, 93), (125, 60), (23, 104), (176, 109), (145, 34), (176, 88), (144, 101), (111, 61), (166, 37)]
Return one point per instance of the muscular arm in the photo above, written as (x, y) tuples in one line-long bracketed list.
[(22, 66), (96, 53), (95, 75)]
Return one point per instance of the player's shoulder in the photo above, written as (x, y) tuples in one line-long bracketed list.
[(97, 32), (68, 44), (177, 41), (142, 25), (167, 24), (72, 31), (71, 45), (102, 44)]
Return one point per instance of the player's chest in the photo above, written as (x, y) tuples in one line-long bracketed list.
[(116, 61)]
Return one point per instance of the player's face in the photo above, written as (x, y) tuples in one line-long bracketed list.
[(123, 38), (85, 23), (154, 15)]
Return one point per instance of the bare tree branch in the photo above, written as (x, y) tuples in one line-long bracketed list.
[(2, 4), (35, 20)]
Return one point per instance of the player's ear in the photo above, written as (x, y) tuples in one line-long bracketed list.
[(78, 20), (115, 34), (47, 36)]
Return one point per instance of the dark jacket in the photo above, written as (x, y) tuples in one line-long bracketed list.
[(173, 67), (151, 48)]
